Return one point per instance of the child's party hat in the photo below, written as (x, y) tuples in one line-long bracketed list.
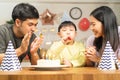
[(65, 17), (10, 61)]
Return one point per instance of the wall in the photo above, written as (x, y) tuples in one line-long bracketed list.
[(58, 7)]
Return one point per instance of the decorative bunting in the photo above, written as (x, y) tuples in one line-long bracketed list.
[(10, 61)]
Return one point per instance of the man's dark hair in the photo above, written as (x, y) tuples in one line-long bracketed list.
[(24, 11)]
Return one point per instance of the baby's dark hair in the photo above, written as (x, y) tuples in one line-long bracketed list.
[(66, 23)]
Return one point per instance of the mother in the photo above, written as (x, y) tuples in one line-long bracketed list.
[(104, 26)]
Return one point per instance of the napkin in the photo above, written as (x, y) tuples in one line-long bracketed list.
[(108, 60), (10, 61)]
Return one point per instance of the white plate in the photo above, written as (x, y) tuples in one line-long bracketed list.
[(49, 67)]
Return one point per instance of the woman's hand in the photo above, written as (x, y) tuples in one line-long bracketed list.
[(90, 53)]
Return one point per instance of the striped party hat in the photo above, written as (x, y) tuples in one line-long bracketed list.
[(108, 58), (10, 61)]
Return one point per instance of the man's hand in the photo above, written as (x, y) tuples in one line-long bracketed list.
[(24, 44), (34, 48), (36, 44)]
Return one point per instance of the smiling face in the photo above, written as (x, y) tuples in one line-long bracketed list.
[(23, 27), (96, 27), (68, 32)]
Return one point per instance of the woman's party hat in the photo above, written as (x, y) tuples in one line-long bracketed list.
[(108, 58)]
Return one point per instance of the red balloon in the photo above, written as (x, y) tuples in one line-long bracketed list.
[(84, 24)]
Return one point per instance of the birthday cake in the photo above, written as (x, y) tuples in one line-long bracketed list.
[(47, 63)]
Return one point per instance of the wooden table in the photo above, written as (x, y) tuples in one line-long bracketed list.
[(84, 73)]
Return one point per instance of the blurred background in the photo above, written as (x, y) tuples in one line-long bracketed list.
[(58, 11)]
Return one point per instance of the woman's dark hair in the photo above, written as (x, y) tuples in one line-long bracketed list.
[(24, 11), (107, 17), (66, 23)]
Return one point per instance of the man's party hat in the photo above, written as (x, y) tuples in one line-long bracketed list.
[(10, 61), (108, 59)]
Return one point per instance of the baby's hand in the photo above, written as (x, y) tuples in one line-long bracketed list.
[(66, 40), (67, 62)]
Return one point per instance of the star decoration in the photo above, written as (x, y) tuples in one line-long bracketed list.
[(47, 18)]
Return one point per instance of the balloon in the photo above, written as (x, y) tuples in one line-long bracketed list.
[(47, 18), (84, 24)]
